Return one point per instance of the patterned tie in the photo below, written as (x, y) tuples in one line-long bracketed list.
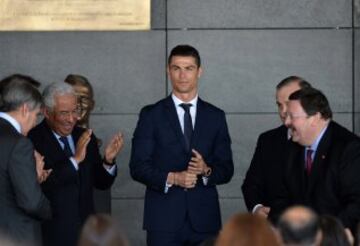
[(308, 161), (188, 128), (67, 148)]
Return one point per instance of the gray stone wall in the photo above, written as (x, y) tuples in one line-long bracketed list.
[(247, 47)]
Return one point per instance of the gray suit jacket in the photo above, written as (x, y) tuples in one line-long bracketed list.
[(22, 203)]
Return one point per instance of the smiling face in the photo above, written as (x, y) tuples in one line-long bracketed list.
[(302, 126), (63, 117), (184, 74)]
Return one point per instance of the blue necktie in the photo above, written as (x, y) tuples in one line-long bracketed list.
[(67, 148), (188, 128)]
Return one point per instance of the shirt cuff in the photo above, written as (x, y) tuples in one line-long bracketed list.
[(167, 187), (256, 207), (205, 180), (75, 164), (110, 169)]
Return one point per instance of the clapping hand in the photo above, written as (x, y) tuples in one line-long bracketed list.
[(42, 174), (114, 147)]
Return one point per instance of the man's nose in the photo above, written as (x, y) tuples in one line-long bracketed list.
[(72, 117), (287, 121), (182, 74)]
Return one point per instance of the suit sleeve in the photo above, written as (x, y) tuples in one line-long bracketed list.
[(142, 167), (64, 172), (253, 184), (220, 158), (350, 185), (22, 171), (102, 179)]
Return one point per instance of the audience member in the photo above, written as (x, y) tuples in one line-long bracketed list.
[(22, 204), (299, 226), (102, 230), (246, 230), (323, 165), (263, 178), (85, 97), (333, 232), (73, 154)]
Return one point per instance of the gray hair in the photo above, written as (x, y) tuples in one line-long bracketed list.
[(56, 89), (17, 92)]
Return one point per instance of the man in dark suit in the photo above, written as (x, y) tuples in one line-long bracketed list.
[(22, 204), (262, 182), (72, 152), (323, 167), (179, 165)]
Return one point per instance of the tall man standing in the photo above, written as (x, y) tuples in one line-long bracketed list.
[(22, 204), (72, 152), (263, 178), (181, 150), (323, 167)]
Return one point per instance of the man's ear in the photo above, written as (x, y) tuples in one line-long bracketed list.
[(316, 118), (200, 72), (46, 112), (24, 109)]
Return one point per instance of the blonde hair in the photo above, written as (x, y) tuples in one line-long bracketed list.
[(102, 230), (247, 229)]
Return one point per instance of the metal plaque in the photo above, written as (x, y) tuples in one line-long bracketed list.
[(60, 15)]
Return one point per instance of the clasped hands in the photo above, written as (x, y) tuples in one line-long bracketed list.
[(188, 178), (112, 149)]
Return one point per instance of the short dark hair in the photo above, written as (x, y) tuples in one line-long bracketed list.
[(313, 101), (18, 91), (185, 50), (302, 232), (293, 78), (333, 232), (19, 76)]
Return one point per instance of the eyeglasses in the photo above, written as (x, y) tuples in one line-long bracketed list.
[(295, 116), (67, 114)]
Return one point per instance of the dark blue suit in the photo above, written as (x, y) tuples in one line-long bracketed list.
[(70, 192), (159, 148)]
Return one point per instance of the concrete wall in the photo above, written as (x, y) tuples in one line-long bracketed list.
[(247, 47)]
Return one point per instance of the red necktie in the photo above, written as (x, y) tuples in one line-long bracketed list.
[(308, 161)]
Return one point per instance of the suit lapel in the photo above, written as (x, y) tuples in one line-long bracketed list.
[(200, 122), (319, 159), (173, 118), (52, 141), (296, 173)]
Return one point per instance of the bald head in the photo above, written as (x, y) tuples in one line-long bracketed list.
[(299, 226)]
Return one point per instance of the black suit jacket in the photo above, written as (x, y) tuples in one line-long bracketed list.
[(334, 184), (69, 191), (22, 204), (159, 148), (263, 178)]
